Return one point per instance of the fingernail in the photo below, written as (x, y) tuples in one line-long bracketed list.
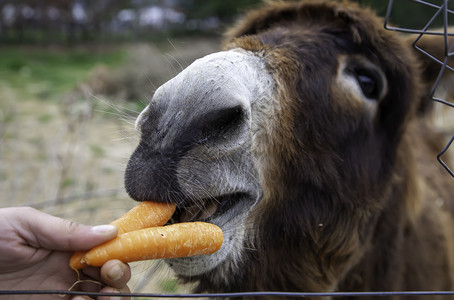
[(115, 273), (104, 229)]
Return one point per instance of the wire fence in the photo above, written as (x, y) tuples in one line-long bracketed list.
[(232, 295), (441, 11)]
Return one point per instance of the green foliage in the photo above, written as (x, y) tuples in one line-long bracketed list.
[(405, 13), (97, 150), (408, 13), (48, 73), (169, 286), (225, 10), (67, 182), (45, 118)]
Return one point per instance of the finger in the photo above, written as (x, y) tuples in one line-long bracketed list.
[(41, 230), (92, 273), (90, 280), (80, 297), (114, 290), (115, 273)]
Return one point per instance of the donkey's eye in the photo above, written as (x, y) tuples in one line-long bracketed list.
[(369, 80), (370, 83), (362, 78)]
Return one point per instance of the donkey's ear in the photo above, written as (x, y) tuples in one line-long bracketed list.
[(431, 66)]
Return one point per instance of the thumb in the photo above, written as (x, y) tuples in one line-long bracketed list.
[(54, 233)]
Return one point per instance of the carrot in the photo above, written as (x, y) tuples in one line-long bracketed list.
[(145, 214), (177, 240)]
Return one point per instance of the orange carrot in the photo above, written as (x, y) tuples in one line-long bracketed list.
[(177, 240), (145, 214)]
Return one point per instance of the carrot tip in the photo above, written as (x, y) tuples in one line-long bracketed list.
[(76, 262)]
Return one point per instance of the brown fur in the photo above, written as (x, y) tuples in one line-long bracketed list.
[(352, 198), (378, 230)]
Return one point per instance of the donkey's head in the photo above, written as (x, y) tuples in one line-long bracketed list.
[(288, 140)]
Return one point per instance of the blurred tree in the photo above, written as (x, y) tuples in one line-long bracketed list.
[(80, 20), (408, 13), (224, 10)]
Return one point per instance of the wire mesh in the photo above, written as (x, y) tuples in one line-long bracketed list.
[(443, 12)]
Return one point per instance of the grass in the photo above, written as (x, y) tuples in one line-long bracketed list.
[(170, 285), (48, 73)]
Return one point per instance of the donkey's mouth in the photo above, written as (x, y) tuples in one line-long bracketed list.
[(206, 209), (229, 212)]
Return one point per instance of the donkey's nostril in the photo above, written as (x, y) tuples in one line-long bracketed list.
[(222, 123)]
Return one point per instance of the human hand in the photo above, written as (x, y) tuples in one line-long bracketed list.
[(35, 249)]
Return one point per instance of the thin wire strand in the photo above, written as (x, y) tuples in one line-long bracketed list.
[(228, 295)]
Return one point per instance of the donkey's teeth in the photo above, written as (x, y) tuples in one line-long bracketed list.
[(199, 212), (209, 211)]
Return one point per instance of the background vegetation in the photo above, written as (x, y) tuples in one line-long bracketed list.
[(75, 21)]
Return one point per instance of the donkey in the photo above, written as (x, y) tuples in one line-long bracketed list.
[(308, 141)]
